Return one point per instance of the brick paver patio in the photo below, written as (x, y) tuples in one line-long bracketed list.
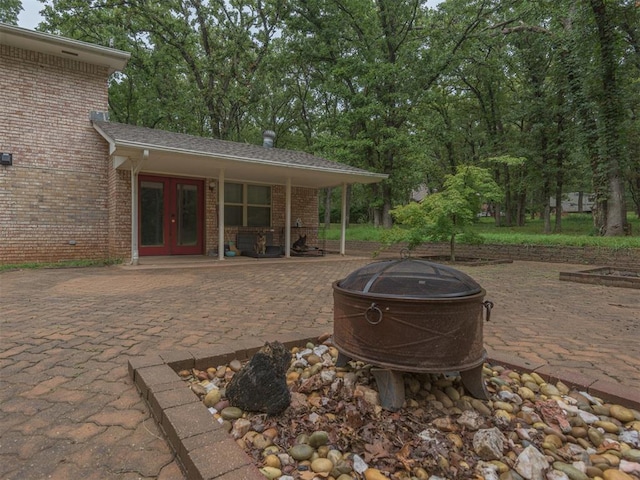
[(68, 409)]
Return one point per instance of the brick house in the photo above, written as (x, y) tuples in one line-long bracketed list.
[(75, 186)]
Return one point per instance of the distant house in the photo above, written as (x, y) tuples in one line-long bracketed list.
[(571, 202), (75, 186)]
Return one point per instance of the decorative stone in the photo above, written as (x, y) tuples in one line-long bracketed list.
[(212, 398), (549, 390), (322, 465), (261, 385), (301, 452), (631, 455), (571, 472), (531, 464), (470, 420), (240, 427), (374, 474), (612, 474), (318, 438), (231, 413), (621, 413), (489, 443), (270, 472), (630, 467)]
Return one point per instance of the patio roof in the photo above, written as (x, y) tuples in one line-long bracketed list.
[(172, 153)]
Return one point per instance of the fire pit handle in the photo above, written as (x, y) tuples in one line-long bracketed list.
[(488, 305), (367, 315)]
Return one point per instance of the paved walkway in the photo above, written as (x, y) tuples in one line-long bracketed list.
[(69, 411)]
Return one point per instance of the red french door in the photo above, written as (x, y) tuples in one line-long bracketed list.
[(170, 212)]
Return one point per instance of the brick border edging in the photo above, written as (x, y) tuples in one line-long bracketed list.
[(206, 451)]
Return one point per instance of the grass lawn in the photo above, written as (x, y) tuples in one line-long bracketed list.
[(577, 230)]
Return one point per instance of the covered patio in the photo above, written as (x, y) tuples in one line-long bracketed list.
[(214, 163)]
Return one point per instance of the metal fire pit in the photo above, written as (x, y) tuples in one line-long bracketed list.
[(411, 315)]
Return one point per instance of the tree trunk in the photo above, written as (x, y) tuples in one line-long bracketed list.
[(546, 210), (612, 156), (508, 204), (557, 228), (580, 202), (522, 200), (387, 221), (452, 246), (348, 209), (327, 208), (376, 217)]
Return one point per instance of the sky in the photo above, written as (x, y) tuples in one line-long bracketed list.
[(30, 15)]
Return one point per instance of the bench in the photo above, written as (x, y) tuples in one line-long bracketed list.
[(246, 243)]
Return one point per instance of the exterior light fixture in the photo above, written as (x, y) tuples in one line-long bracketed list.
[(6, 158)]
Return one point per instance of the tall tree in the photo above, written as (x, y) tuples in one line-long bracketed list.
[(195, 62), (9, 11)]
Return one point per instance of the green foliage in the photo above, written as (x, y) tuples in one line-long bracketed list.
[(61, 264), (443, 215), (9, 11), (578, 232)]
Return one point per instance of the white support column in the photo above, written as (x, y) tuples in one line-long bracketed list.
[(287, 220), (136, 166), (343, 220), (221, 215)]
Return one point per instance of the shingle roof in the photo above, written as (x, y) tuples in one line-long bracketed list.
[(123, 134)]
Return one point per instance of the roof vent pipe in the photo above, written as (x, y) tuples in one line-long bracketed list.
[(268, 136)]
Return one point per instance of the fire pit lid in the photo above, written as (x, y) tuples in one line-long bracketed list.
[(410, 278)]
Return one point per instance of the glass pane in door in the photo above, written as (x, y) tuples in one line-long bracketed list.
[(187, 215), (151, 214)]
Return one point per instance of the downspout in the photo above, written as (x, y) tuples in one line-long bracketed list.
[(287, 220), (221, 215), (343, 220), (136, 166)]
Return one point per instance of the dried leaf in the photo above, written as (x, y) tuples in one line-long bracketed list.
[(375, 452), (308, 475), (403, 456)]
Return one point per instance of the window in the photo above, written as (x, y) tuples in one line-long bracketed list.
[(247, 205)]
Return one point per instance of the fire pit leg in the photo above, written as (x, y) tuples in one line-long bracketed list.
[(342, 360), (474, 384), (390, 388)]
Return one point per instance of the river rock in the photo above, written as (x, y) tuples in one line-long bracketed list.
[(489, 443), (271, 473), (531, 464), (212, 398), (572, 472), (231, 413), (318, 438), (621, 413), (261, 385), (322, 465), (549, 390), (613, 474), (301, 452), (631, 455), (374, 474)]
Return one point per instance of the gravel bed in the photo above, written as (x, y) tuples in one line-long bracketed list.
[(335, 427)]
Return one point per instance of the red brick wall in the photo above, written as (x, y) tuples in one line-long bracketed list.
[(304, 205), (56, 190)]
